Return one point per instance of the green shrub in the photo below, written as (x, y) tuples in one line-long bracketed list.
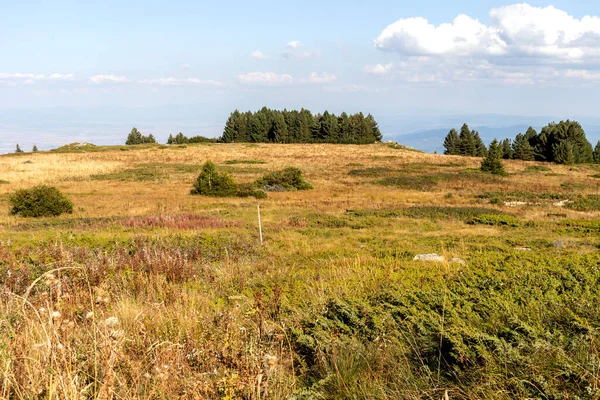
[(232, 162), (40, 201), (495, 219), (374, 171), (436, 212), (212, 183), (585, 203), (287, 179), (249, 190), (421, 183)]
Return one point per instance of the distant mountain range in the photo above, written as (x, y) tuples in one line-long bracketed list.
[(490, 127), (53, 127)]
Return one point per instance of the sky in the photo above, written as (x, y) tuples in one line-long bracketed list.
[(186, 64)]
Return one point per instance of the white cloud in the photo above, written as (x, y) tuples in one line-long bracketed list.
[(19, 75), (265, 78), (185, 66), (521, 45), (519, 30), (179, 82), (259, 55), (108, 79), (62, 77), (325, 77), (378, 69), (295, 50)]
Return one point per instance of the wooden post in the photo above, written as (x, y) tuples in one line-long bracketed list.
[(259, 224)]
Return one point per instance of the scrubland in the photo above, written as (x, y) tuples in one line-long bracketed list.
[(148, 292)]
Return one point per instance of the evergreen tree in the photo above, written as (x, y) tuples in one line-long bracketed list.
[(563, 153), (554, 134), (375, 132), (135, 137), (492, 163), (35, 149), (278, 132), (18, 150), (171, 139), (597, 153), (148, 139), (467, 142), (452, 143), (480, 149), (507, 152), (522, 150)]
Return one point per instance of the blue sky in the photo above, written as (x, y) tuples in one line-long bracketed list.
[(384, 57)]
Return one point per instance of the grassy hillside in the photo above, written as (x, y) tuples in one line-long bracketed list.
[(148, 292)]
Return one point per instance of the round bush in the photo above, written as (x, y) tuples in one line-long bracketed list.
[(39, 201), (212, 183)]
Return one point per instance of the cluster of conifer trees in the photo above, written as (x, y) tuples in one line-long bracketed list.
[(466, 143), (302, 126), (180, 138), (563, 143), (136, 137)]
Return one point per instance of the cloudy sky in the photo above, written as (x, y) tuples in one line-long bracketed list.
[(384, 57)]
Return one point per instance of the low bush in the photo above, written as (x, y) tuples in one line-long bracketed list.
[(288, 178), (460, 213), (249, 190), (214, 184), (232, 162), (496, 220), (374, 171), (585, 203), (40, 201), (421, 183)]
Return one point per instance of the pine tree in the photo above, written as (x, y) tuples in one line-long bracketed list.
[(170, 140), (135, 137), (597, 153), (148, 139), (467, 142), (564, 153), (376, 133), (480, 149), (452, 143), (35, 149), (492, 163), (507, 152), (522, 150), (18, 150)]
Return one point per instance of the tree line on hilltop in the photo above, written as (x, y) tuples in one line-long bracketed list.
[(562, 143), (274, 126), (302, 126)]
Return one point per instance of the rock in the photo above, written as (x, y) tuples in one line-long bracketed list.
[(429, 257), (515, 203), (522, 249), (561, 203), (457, 260)]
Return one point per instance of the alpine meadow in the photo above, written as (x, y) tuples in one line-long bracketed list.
[(400, 274), (302, 200)]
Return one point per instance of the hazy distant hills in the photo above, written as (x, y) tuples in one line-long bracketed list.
[(430, 138), (53, 127)]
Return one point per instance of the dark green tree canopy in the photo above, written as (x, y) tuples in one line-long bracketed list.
[(492, 163), (467, 143), (273, 126), (452, 143), (136, 137)]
